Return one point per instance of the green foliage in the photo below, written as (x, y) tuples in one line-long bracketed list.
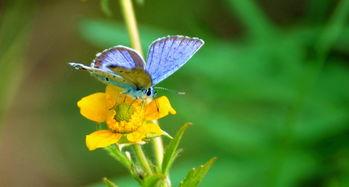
[(195, 176), (14, 27), (253, 17), (172, 151)]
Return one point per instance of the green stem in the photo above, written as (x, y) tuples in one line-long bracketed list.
[(159, 155), (118, 155), (142, 159), (131, 23), (158, 150)]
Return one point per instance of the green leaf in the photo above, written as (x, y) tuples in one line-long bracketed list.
[(108, 183), (171, 151), (196, 175)]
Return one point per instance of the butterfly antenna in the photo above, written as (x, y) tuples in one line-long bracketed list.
[(170, 90)]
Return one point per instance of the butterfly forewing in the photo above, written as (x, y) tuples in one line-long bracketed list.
[(166, 55), (125, 62), (119, 56)]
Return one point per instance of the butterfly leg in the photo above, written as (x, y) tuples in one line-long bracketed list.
[(134, 100), (144, 101), (157, 105)]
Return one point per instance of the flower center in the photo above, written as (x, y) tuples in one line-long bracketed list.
[(125, 118), (123, 112)]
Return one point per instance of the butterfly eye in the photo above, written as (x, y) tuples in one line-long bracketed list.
[(107, 79), (149, 92)]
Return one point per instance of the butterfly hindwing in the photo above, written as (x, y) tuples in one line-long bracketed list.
[(166, 55), (136, 76)]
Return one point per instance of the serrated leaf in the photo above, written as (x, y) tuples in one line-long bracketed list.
[(109, 183), (171, 151), (196, 175)]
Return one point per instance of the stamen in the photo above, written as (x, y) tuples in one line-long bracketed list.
[(123, 112)]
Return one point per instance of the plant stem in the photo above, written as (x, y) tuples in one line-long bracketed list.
[(131, 23), (159, 155), (142, 159), (158, 150)]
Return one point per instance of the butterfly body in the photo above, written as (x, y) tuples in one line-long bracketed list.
[(124, 67)]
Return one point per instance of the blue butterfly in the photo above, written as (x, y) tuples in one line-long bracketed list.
[(124, 67)]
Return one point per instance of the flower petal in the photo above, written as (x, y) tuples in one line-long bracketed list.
[(94, 107), (151, 129), (135, 137), (101, 138), (148, 130), (158, 108)]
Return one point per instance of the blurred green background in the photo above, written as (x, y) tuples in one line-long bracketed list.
[(268, 94)]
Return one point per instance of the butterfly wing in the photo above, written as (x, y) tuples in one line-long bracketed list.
[(136, 76), (104, 76), (166, 55), (126, 63)]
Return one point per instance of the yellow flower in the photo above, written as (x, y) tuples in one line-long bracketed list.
[(124, 117)]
